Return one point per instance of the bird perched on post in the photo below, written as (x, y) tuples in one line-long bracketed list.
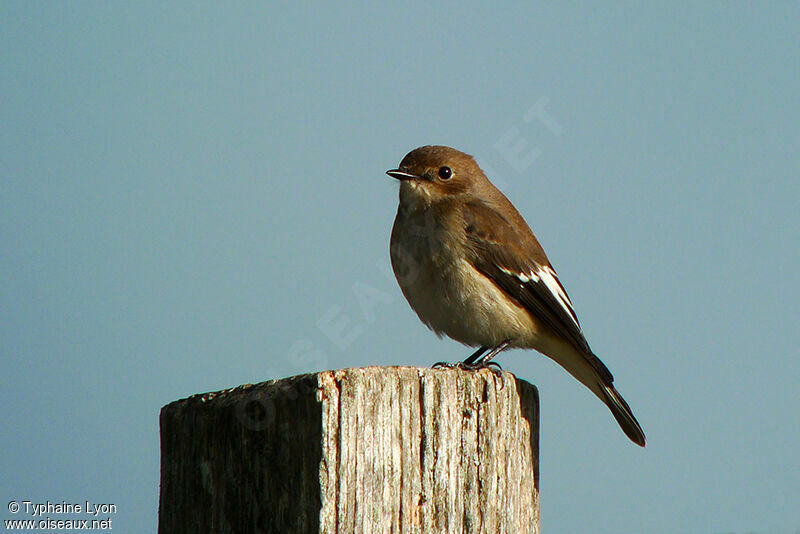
[(472, 270)]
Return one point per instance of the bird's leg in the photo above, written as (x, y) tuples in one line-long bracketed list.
[(479, 360), (468, 362), (475, 356), (485, 360)]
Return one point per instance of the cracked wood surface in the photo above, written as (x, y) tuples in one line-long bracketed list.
[(376, 449)]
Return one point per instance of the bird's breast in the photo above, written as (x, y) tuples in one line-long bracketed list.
[(448, 294)]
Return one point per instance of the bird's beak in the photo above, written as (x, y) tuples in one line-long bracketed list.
[(402, 175)]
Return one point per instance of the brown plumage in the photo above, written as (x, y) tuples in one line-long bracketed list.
[(472, 270)]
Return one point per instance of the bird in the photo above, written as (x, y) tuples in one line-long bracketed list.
[(471, 268)]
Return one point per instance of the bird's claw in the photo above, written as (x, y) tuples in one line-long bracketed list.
[(494, 367), (497, 371)]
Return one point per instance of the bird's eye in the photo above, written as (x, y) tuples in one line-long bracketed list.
[(445, 173)]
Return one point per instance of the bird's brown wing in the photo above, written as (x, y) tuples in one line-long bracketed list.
[(515, 262)]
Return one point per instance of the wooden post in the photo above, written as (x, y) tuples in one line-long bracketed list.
[(377, 449)]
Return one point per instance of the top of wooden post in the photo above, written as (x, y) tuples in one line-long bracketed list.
[(375, 449)]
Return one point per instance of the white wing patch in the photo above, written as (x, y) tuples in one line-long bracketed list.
[(523, 277), (548, 276), (550, 280)]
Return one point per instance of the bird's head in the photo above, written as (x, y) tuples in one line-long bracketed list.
[(432, 174)]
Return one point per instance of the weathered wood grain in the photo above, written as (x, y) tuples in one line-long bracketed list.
[(370, 450)]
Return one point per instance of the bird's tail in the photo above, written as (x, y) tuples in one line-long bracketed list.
[(623, 414), (592, 373)]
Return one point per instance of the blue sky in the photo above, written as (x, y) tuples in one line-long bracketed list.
[(192, 192)]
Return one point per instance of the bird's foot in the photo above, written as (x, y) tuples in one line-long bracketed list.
[(467, 366), (480, 364), (494, 367)]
